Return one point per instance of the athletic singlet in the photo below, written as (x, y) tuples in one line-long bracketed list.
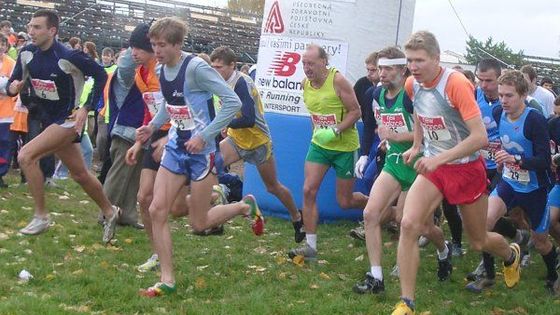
[(326, 110), (494, 143), (397, 118)]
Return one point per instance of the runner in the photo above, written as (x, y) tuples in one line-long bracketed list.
[(56, 74), (448, 121)]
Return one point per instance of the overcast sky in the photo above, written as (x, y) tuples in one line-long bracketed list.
[(532, 26)]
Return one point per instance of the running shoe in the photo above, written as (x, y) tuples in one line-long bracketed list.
[(150, 265), (478, 272), (359, 232), (37, 225), (299, 232), (110, 224), (222, 192), (255, 214), (217, 230), (456, 250), (512, 273), (306, 251), (445, 268), (553, 287), (395, 271), (480, 284), (402, 309), (158, 289), (369, 285), (423, 241)]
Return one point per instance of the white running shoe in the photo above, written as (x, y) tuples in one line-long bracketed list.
[(37, 225)]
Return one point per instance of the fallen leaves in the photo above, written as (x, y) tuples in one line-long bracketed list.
[(298, 260)]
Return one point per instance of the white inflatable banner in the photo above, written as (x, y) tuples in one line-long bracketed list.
[(349, 30)]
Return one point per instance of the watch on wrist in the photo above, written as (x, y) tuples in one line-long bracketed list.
[(336, 131)]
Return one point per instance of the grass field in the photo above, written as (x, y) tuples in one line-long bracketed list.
[(236, 273)]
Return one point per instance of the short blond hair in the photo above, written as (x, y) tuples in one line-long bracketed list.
[(171, 29), (423, 40), (515, 78)]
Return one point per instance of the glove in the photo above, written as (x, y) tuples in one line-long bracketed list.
[(360, 165), (324, 135)]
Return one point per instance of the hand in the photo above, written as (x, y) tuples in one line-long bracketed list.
[(504, 157), (410, 154), (224, 133), (79, 117), (385, 133), (324, 135), (360, 165), (132, 153), (427, 164), (15, 86), (195, 144), (158, 147), (144, 133)]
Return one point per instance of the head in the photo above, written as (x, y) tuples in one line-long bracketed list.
[(245, 69), (513, 90), (22, 39), (470, 75), (530, 75), (3, 44), (371, 66), (547, 83), (166, 37), (43, 28), (142, 51), (488, 71), (108, 56), (91, 50), (315, 60), (206, 58), (223, 60), (5, 27), (75, 43), (422, 54), (557, 106), (391, 63)]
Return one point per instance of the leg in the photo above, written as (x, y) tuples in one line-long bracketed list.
[(166, 189), (229, 154), (423, 197), (555, 223), (347, 199), (314, 174), (145, 197), (267, 171), (87, 150)]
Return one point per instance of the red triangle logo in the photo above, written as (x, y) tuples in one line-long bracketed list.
[(274, 22)]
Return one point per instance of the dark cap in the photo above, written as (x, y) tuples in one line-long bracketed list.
[(139, 38)]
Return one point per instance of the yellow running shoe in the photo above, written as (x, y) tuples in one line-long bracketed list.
[(402, 309), (512, 273)]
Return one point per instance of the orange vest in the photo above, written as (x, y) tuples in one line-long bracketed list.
[(7, 103), (106, 94), (151, 86), (20, 118)]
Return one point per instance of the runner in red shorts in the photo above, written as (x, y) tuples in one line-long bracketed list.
[(449, 123)]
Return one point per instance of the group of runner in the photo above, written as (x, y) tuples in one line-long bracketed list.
[(443, 139)]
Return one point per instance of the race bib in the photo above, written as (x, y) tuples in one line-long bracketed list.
[(181, 117), (323, 121), (516, 173), (153, 101), (377, 114), (434, 128), (489, 152), (45, 89), (395, 122)]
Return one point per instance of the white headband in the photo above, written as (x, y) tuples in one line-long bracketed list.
[(391, 62)]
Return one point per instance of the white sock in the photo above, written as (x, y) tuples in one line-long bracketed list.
[(443, 255), (311, 240), (376, 272), (518, 237)]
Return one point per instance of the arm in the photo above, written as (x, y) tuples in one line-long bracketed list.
[(247, 118), (536, 129), (209, 80), (346, 94), (90, 68), (476, 140), (14, 84), (370, 125), (127, 69)]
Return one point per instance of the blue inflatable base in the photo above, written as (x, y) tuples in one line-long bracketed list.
[(291, 136)]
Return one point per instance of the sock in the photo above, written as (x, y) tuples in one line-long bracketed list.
[(443, 254), (376, 272), (311, 240), (510, 260), (550, 261), (488, 262), (408, 302), (453, 221)]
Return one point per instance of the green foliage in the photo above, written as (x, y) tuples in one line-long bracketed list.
[(476, 51), (248, 6), (236, 273)]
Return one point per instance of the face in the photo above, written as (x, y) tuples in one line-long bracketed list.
[(140, 56), (372, 73), (511, 101), (391, 76), (488, 82), (556, 110), (107, 59), (5, 30), (40, 34), (3, 48), (165, 52), (423, 67), (548, 86), (313, 66), (223, 69)]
